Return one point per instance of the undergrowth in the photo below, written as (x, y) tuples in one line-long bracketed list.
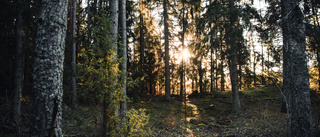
[(209, 115)]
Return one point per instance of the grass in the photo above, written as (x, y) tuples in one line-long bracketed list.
[(259, 116), (210, 115)]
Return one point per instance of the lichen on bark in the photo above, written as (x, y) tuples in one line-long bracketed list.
[(48, 68)]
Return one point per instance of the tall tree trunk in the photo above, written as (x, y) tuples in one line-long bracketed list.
[(114, 18), (141, 61), (166, 45), (216, 67), (240, 76), (181, 81), (254, 68), (192, 82), (19, 68), (316, 23), (200, 74), (73, 62), (211, 72), (46, 111), (239, 70), (196, 82), (233, 67), (222, 69), (183, 46), (295, 70), (318, 60), (88, 22), (124, 55), (263, 82)]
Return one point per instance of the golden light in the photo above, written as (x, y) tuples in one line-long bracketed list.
[(185, 54)]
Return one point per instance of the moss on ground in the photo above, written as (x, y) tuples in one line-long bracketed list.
[(210, 115)]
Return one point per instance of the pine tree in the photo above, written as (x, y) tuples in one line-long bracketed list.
[(233, 53), (295, 70), (18, 68), (48, 69), (73, 62), (124, 56), (166, 45), (114, 14)]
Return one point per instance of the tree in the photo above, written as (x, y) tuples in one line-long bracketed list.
[(183, 48), (233, 53), (19, 68), (166, 47), (73, 62), (124, 55), (48, 69), (114, 14), (141, 41), (295, 70), (313, 31), (96, 65)]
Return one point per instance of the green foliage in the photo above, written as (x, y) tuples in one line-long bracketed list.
[(87, 120), (99, 73), (138, 122), (98, 64)]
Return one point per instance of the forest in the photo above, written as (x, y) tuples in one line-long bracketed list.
[(225, 68)]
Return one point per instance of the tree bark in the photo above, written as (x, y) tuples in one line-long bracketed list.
[(183, 46), (233, 67), (166, 45), (48, 69), (200, 74), (73, 62), (295, 70), (216, 67), (124, 55), (19, 68), (141, 61), (89, 22), (222, 68), (114, 18), (212, 70)]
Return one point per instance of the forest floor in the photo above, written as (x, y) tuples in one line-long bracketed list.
[(212, 115), (208, 115)]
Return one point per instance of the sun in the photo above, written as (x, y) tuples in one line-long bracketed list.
[(185, 54), (182, 56)]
